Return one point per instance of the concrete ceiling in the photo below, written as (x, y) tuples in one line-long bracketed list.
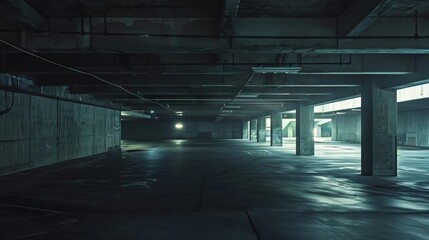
[(196, 57)]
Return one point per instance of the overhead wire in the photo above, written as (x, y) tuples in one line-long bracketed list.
[(85, 73), (238, 93)]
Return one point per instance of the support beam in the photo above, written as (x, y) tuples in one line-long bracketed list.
[(276, 129), (304, 130), (360, 15), (335, 128), (246, 130), (207, 64), (19, 12), (63, 43), (228, 20), (379, 123), (200, 90), (261, 130), (254, 130)]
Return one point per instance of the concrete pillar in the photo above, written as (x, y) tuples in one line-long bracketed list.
[(253, 130), (276, 129), (304, 130), (334, 129), (246, 130), (261, 130), (379, 122)]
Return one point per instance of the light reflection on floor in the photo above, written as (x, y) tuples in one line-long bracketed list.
[(226, 189)]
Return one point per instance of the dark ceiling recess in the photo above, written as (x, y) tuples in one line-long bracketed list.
[(192, 58)]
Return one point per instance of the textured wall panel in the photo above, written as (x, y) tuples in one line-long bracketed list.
[(40, 131), (14, 156), (86, 120), (68, 119), (100, 130), (43, 123), (191, 129), (117, 129), (68, 148), (15, 124), (110, 129), (86, 146), (43, 151)]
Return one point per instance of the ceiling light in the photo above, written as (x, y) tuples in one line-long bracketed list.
[(276, 69), (134, 114), (226, 111), (178, 126), (232, 106), (248, 95)]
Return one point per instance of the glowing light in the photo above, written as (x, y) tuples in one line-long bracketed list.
[(178, 126)]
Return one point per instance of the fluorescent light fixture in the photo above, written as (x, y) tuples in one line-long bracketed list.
[(133, 114), (217, 85), (232, 106), (179, 113), (340, 113), (276, 69), (178, 126), (248, 95), (359, 73), (152, 111), (226, 111)]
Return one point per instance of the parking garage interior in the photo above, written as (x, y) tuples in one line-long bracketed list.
[(216, 119)]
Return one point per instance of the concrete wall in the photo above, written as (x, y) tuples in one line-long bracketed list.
[(346, 128), (156, 129), (39, 131), (413, 128)]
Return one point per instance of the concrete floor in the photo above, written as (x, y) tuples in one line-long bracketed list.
[(229, 189)]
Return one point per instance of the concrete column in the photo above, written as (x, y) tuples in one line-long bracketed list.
[(253, 130), (276, 129), (261, 130), (246, 130), (334, 129), (304, 130), (379, 123)]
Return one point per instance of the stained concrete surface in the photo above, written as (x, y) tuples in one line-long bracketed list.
[(224, 189)]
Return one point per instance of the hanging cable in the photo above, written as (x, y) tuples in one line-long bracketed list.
[(239, 92), (84, 73)]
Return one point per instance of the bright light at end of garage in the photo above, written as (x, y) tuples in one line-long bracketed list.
[(178, 126)]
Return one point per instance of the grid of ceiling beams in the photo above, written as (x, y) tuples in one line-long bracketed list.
[(196, 57)]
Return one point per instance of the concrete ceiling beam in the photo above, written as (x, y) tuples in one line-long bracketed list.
[(19, 12), (141, 44), (355, 64), (208, 81), (196, 91), (360, 15)]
